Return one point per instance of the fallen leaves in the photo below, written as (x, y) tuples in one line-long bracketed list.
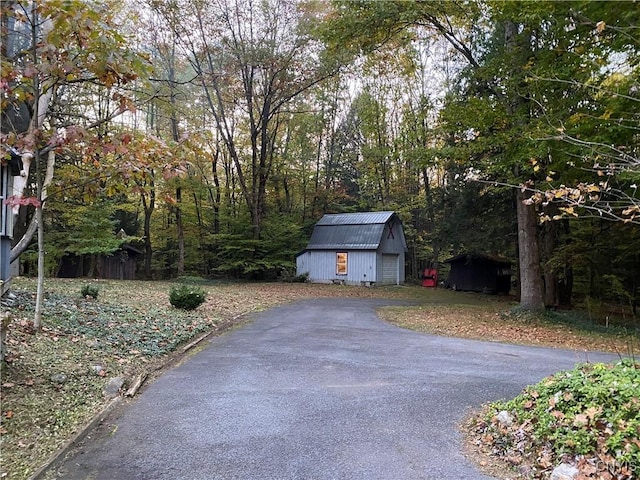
[(487, 322), (132, 328), (129, 331)]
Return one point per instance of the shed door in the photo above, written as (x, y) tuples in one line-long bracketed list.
[(390, 269)]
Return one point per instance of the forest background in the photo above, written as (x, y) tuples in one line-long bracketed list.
[(215, 134)]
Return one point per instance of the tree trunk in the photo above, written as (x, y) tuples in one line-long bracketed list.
[(180, 228), (148, 247), (215, 198), (531, 284), (531, 279), (550, 241), (5, 320), (37, 318), (558, 273)]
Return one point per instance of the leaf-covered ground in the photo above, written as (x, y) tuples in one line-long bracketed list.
[(53, 381), (495, 321)]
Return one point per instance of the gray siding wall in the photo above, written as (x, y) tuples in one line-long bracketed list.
[(321, 265), (5, 270), (6, 228), (392, 243)]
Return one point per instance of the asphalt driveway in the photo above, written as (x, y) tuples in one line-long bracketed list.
[(319, 389)]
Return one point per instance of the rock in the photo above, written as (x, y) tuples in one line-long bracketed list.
[(113, 386), (564, 471), (9, 300), (505, 418), (58, 378), (97, 369)]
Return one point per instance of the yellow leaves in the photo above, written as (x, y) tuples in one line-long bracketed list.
[(632, 210), (569, 211), (535, 164)]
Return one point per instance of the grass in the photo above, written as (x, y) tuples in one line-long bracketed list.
[(130, 329)]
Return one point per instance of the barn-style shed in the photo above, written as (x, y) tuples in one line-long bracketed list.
[(479, 273), (356, 249)]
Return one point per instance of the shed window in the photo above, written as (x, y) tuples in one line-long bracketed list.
[(341, 263)]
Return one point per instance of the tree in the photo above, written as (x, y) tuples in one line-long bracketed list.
[(52, 46), (396, 21), (251, 60), (533, 69)]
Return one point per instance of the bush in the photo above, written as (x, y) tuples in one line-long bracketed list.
[(90, 290), (289, 276), (592, 410), (187, 297)]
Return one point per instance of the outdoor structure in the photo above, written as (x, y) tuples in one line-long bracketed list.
[(8, 170), (120, 265), (479, 273), (356, 249)]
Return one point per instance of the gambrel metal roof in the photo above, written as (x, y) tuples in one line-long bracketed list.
[(361, 218), (349, 231)]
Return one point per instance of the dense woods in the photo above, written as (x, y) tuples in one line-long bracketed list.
[(213, 135)]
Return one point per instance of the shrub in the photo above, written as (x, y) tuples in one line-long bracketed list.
[(289, 276), (90, 290), (592, 410), (187, 297), (302, 278)]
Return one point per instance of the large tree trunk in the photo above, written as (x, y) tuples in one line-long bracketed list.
[(531, 280), (531, 283), (180, 228), (558, 273), (148, 207)]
